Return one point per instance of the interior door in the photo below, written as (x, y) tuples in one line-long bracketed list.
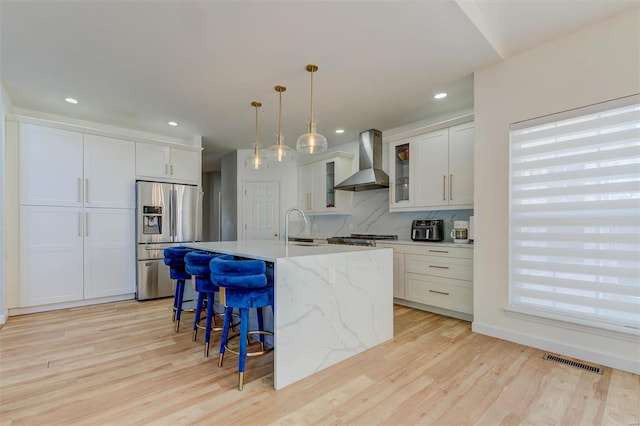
[(262, 207)]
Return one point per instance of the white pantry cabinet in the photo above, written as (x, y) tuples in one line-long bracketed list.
[(109, 172), (109, 255), (316, 181), (65, 168), (77, 216), (169, 163), (51, 255), (51, 163), (69, 254), (432, 170)]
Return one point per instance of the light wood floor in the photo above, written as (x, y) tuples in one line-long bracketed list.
[(122, 363)]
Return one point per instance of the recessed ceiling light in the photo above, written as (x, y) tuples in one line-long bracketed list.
[(339, 131), (440, 95), (172, 123), (71, 100)]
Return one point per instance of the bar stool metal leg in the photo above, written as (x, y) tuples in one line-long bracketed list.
[(225, 333), (199, 304), (179, 296)]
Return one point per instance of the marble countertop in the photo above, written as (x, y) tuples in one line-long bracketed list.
[(271, 250)]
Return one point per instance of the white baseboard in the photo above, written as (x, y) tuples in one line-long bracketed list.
[(630, 365), (434, 309), (4, 316), (65, 305)]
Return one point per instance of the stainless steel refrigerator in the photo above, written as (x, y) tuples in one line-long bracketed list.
[(166, 215)]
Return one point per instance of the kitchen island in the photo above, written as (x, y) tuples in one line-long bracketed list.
[(331, 301)]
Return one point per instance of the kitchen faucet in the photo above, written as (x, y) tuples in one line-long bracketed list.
[(286, 222)]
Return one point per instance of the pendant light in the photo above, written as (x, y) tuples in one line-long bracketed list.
[(256, 161), (280, 152), (312, 142)]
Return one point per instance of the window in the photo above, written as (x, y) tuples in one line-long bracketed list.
[(575, 216)]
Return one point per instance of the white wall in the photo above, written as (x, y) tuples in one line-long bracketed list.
[(593, 65), (211, 186), (5, 105), (229, 183)]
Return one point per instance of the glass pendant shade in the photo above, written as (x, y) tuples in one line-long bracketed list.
[(256, 161), (312, 142), (280, 152)]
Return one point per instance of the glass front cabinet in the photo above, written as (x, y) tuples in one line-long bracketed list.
[(316, 182), (432, 170), (401, 170)]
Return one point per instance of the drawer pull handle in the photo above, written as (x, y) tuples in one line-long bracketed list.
[(439, 251), (439, 267), (439, 292)]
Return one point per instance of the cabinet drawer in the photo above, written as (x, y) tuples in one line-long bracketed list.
[(445, 267), (441, 292), (463, 253)]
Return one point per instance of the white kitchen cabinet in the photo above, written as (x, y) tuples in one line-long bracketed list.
[(51, 162), (432, 170), (65, 168), (70, 254), (433, 277), (77, 232), (168, 163), (440, 277), (152, 160), (109, 252), (109, 172), (316, 181), (51, 254), (398, 269)]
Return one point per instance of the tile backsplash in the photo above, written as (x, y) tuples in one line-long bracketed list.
[(370, 215)]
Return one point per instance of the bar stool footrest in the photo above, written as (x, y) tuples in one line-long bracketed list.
[(220, 316), (262, 350)]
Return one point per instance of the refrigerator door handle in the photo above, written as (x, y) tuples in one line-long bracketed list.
[(219, 216), (173, 199), (198, 224)]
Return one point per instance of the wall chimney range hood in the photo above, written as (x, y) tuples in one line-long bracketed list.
[(370, 175)]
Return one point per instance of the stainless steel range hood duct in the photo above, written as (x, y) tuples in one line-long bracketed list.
[(370, 175)]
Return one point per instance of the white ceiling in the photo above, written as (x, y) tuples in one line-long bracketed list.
[(139, 64)]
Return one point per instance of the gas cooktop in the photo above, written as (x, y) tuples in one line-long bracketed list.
[(361, 239)]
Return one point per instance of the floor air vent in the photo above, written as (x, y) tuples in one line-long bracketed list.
[(574, 363)]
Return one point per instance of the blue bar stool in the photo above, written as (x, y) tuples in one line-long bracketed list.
[(174, 258), (197, 264), (243, 285)]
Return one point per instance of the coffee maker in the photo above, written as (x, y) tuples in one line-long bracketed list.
[(460, 231)]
